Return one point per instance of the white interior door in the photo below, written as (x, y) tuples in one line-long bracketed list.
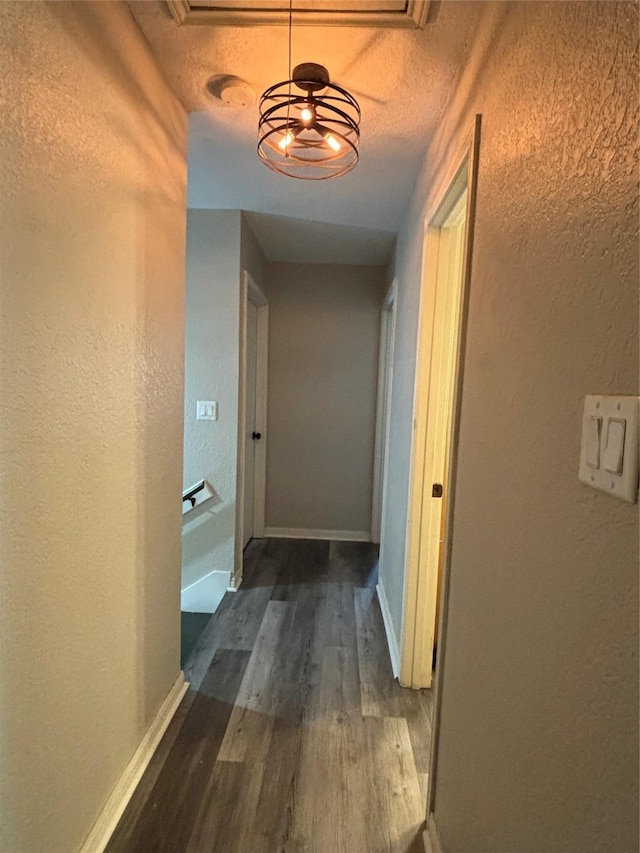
[(252, 418), (250, 423), (435, 396), (441, 388)]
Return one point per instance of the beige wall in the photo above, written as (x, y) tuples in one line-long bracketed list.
[(92, 201), (538, 748), (324, 323)]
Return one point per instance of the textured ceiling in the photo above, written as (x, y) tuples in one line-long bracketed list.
[(401, 77)]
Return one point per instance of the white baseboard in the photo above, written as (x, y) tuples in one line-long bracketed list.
[(308, 533), (431, 838), (392, 643), (205, 594), (113, 809)]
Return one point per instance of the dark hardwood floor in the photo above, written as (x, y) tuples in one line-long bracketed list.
[(293, 735)]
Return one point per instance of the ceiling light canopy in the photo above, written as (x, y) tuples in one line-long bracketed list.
[(312, 133)]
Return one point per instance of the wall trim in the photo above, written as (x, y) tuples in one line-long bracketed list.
[(392, 642), (107, 820), (205, 594), (431, 837), (308, 533)]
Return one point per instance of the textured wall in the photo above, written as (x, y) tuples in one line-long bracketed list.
[(538, 746), (324, 324), (92, 199), (211, 373)]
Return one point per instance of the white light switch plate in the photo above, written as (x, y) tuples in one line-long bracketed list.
[(611, 422), (206, 410)]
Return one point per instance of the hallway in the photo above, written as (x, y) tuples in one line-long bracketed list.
[(294, 735)]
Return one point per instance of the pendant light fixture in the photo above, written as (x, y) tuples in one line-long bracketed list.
[(309, 128)]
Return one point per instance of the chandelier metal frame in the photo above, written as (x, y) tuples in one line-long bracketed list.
[(314, 135)]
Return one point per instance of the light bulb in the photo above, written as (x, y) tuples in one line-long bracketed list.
[(332, 142), (286, 140), (307, 115)]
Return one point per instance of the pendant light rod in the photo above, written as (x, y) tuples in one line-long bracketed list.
[(289, 67)]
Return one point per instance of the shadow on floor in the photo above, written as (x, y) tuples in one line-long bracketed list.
[(191, 627)]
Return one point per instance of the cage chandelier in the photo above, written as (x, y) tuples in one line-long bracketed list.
[(309, 128)]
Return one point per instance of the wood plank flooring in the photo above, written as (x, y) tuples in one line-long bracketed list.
[(293, 736)]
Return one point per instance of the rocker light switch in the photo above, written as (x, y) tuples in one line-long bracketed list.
[(593, 428), (206, 410), (614, 451), (609, 451)]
